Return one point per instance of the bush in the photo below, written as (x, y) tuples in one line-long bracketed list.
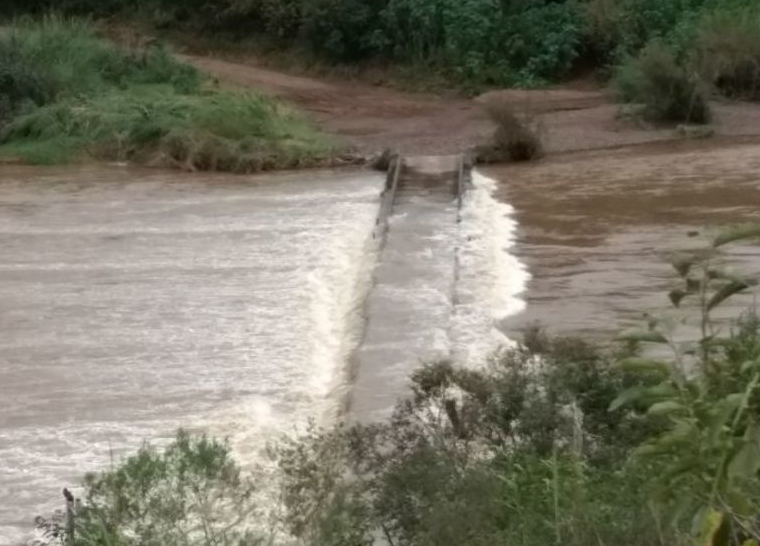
[(541, 43), (76, 62), (663, 86), (344, 30), (189, 494), (706, 458), (21, 82), (516, 137), (726, 48), (522, 452)]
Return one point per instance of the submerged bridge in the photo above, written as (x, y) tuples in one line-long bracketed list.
[(410, 304)]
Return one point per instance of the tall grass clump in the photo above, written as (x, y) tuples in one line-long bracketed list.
[(65, 94), (78, 62), (223, 131)]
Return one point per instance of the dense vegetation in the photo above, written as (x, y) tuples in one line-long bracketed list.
[(65, 93), (558, 441), (687, 48)]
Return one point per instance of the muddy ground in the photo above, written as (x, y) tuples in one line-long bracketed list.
[(575, 117)]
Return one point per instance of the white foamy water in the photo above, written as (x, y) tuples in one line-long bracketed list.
[(134, 303), (490, 280), (441, 289)]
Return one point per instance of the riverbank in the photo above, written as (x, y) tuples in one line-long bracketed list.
[(575, 117), (70, 96), (225, 111)]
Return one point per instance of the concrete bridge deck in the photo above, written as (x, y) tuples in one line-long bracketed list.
[(410, 304)]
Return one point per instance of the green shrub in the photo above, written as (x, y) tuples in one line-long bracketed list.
[(523, 452), (707, 455), (21, 82), (282, 19), (345, 30), (667, 90), (77, 62), (541, 43), (191, 493), (486, 41), (726, 47)]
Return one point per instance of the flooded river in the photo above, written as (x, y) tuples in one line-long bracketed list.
[(134, 302), (597, 230)]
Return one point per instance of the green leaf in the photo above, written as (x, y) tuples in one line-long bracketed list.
[(721, 413), (627, 397), (646, 450), (644, 365), (645, 395), (749, 365), (734, 400), (746, 463), (665, 408), (648, 336), (683, 430), (733, 287), (739, 233), (709, 523)]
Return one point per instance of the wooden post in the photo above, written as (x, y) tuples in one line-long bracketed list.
[(70, 513)]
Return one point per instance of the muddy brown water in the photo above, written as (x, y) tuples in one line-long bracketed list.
[(133, 302), (597, 230)]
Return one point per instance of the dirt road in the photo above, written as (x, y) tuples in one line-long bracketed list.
[(572, 118)]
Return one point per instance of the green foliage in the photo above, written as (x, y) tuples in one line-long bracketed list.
[(21, 83), (221, 131), (189, 494), (64, 94), (475, 42), (708, 455), (668, 91), (726, 50), (541, 43), (523, 452), (76, 62), (345, 30)]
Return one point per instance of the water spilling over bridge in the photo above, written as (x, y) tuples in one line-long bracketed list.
[(423, 306), (409, 307), (133, 302)]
